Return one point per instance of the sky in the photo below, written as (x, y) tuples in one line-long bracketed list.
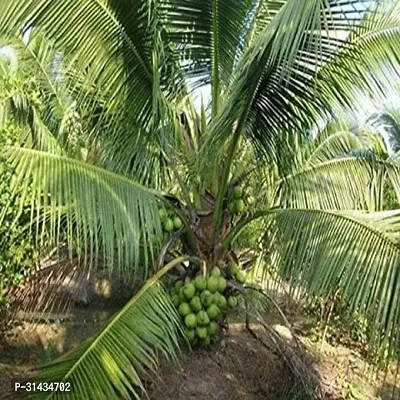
[(5, 51)]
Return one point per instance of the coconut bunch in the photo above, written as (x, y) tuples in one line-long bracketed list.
[(170, 222), (204, 301), (238, 200)]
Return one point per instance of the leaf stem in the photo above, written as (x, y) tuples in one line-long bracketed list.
[(215, 60), (236, 230), (149, 283), (224, 183)]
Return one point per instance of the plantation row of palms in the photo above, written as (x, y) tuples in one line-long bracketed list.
[(100, 94)]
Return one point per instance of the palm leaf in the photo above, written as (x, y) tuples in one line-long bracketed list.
[(18, 109), (208, 37), (290, 78), (45, 290), (335, 145), (325, 252), (97, 211), (393, 171), (66, 22), (114, 45), (343, 183), (40, 137), (37, 56), (296, 72), (264, 12), (23, 99), (124, 350), (389, 121)]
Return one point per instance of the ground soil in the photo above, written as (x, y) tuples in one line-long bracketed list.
[(240, 366)]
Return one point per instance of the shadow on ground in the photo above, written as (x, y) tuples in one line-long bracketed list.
[(388, 391), (241, 368)]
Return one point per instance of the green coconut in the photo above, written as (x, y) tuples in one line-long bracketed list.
[(182, 295), (190, 334), (212, 328), (191, 321), (215, 272), (177, 223), (178, 285), (200, 282), (162, 213), (213, 311), (195, 304), (184, 309), (222, 302), (189, 290), (212, 284), (237, 192), (216, 297), (232, 301), (176, 300), (239, 206), (202, 318), (206, 298), (240, 277), (202, 332), (233, 268), (205, 342), (168, 225), (221, 284)]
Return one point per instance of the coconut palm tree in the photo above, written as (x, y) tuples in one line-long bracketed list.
[(276, 70)]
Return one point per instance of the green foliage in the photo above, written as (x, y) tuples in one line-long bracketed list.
[(113, 83), (319, 267), (95, 207), (332, 322), (390, 200), (18, 253), (124, 351), (335, 323), (250, 235)]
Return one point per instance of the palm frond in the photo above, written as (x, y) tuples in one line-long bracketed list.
[(129, 153), (262, 15), (73, 28), (18, 109), (97, 211), (208, 37), (27, 93), (40, 137), (389, 121), (393, 171), (385, 221), (300, 68), (37, 56), (374, 141), (112, 45), (343, 183), (336, 145), (348, 253), (47, 289), (123, 351)]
